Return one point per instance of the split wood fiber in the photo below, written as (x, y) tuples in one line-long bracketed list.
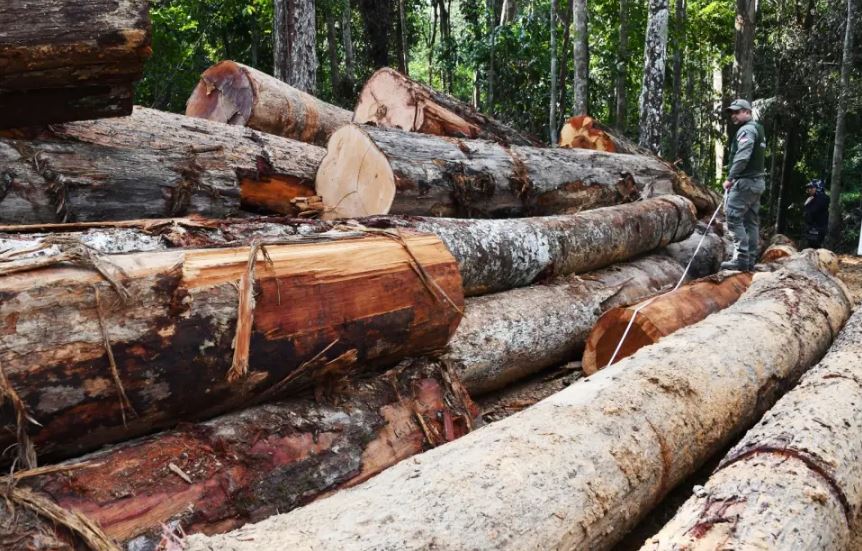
[(579, 469), (233, 93), (243, 467), (390, 99), (659, 317), (151, 164), (495, 255), (64, 60), (370, 171), (324, 306), (794, 481), (507, 336)]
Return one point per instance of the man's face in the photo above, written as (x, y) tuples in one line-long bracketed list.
[(810, 190), (740, 116)]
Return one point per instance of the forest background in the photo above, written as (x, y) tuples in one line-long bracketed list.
[(533, 63)]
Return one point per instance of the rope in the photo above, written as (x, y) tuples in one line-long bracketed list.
[(644, 304)]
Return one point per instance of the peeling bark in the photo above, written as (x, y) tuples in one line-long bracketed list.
[(247, 466), (62, 60), (321, 308), (150, 165), (370, 171), (794, 481), (579, 469), (234, 93), (392, 100)]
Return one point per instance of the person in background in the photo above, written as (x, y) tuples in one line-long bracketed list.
[(816, 213), (745, 184)]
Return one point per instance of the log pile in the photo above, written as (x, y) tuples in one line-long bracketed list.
[(249, 323)]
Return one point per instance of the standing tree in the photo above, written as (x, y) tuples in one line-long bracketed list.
[(404, 58), (655, 52), (676, 98), (581, 86), (833, 235), (552, 111), (294, 55), (743, 58), (622, 68), (377, 17)]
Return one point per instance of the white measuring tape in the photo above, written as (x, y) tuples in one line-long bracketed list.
[(678, 283)]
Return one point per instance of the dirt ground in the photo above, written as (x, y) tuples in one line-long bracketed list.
[(851, 273)]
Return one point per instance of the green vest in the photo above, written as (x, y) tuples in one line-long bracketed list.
[(757, 162)]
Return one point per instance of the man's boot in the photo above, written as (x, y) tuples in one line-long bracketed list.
[(736, 265)]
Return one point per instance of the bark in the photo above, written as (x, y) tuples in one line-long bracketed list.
[(518, 397), (652, 87), (508, 336), (175, 318), (64, 61), (509, 12), (794, 480), (579, 469), (392, 100), (588, 133), (371, 171), (714, 249), (552, 104), (743, 59), (332, 46), (791, 155), (246, 466), (405, 48), (676, 98), (347, 40), (647, 322), (150, 165), (581, 53), (233, 93), (621, 103), (835, 221), (295, 56)]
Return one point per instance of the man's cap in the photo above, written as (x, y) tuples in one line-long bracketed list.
[(739, 104), (816, 184)]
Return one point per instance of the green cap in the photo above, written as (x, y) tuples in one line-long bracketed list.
[(739, 104)]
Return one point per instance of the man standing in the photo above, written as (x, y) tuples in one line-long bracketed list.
[(816, 213), (745, 183)]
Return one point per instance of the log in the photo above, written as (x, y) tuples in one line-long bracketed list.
[(233, 93), (150, 165), (780, 246), (794, 481), (577, 470), (390, 99), (186, 341), (584, 132), (658, 317), (246, 466), (508, 336), (714, 249), (72, 61), (495, 255), (370, 171), (503, 403)]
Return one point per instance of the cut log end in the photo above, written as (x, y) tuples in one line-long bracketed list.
[(608, 332), (580, 132), (225, 94), (388, 103), (355, 178)]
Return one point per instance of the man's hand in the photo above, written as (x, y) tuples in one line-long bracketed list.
[(727, 185)]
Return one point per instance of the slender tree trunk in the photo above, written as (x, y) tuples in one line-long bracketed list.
[(743, 61), (622, 68), (332, 46), (581, 84), (509, 12), (377, 17), (404, 60), (564, 67), (835, 224), (652, 91), (552, 107), (347, 40), (295, 57), (718, 127), (676, 107), (791, 153)]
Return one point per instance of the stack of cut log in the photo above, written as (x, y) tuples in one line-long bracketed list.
[(233, 366)]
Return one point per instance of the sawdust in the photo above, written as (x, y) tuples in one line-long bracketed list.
[(850, 271)]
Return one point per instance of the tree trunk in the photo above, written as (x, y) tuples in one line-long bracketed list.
[(658, 317), (332, 46), (579, 469), (377, 17), (371, 171), (564, 67), (581, 84), (63, 61), (518, 397), (714, 249), (794, 481), (233, 93), (621, 103), (791, 154), (777, 251), (392, 100), (552, 104), (676, 97), (587, 133), (835, 221), (295, 55), (347, 39), (509, 12), (313, 311), (508, 336), (404, 61), (743, 58), (652, 88), (246, 466), (150, 165)]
